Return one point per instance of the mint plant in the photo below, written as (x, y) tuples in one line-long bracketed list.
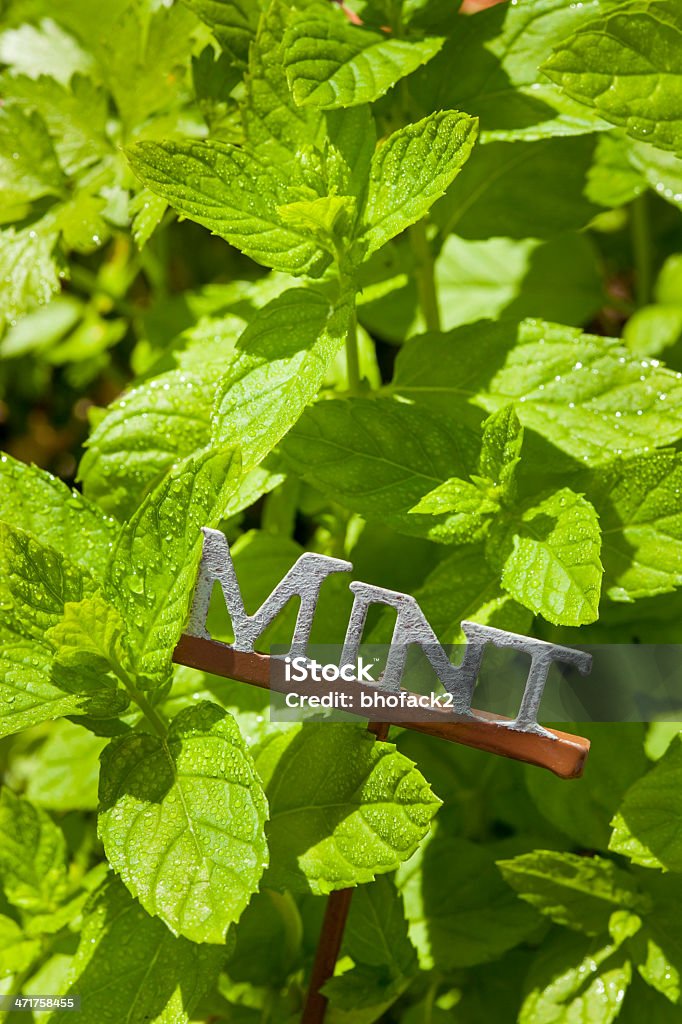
[(385, 281)]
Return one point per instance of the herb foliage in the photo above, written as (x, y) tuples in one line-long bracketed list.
[(391, 282)]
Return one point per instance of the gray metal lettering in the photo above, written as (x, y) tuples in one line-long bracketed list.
[(412, 627), (303, 580), (542, 654)]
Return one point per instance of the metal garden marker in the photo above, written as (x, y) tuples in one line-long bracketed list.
[(520, 738)]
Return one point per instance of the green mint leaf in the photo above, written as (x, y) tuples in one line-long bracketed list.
[(498, 56), (412, 169), (610, 403), (17, 952), (638, 504), (579, 892), (27, 268), (456, 495), (551, 560), (501, 449), (37, 582), (272, 120), (646, 827), (576, 979), (470, 923), (234, 194), (652, 329), (467, 507), (271, 921), (75, 115), (147, 210), (215, 323), (281, 361), (379, 457), (352, 137), (613, 180), (331, 63), (624, 925), (214, 76), (55, 921), (182, 820), (376, 932), (157, 424), (154, 563), (28, 692), (142, 435), (662, 170), (36, 501), (668, 288), (329, 831), (54, 784), (117, 978), (520, 190), (90, 341), (464, 587), (234, 23), (654, 939), (28, 164), (82, 228), (366, 992), (144, 57), (444, 371), (328, 219), (46, 49), (32, 857), (656, 327), (43, 328), (624, 66), (617, 760), (90, 637)]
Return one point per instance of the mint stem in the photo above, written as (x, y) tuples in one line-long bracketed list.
[(149, 712), (424, 269), (641, 246), (352, 356)]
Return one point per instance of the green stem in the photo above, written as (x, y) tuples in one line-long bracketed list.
[(150, 713), (429, 1001), (426, 282), (352, 356), (642, 248), (268, 1006)]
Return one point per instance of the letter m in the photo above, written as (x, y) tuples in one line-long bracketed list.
[(303, 580)]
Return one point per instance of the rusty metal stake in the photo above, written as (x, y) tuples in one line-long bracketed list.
[(331, 934), (558, 752)]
